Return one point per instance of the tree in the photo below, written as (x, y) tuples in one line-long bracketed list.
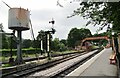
[(101, 34), (55, 44), (26, 43), (62, 47), (3, 37), (64, 42), (100, 13), (43, 36), (75, 35), (4, 42), (35, 44), (11, 42), (103, 41)]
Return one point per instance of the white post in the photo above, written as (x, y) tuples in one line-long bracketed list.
[(48, 43), (41, 45)]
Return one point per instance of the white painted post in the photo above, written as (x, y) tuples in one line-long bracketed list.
[(41, 45), (48, 42)]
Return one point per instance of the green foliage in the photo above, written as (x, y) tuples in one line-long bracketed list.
[(26, 43), (76, 35), (35, 44), (100, 13), (103, 41), (6, 52), (6, 65), (3, 38), (41, 35), (101, 34), (64, 42), (62, 47), (56, 45), (4, 42), (7, 41), (12, 43)]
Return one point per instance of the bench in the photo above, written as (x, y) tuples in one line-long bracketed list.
[(112, 59)]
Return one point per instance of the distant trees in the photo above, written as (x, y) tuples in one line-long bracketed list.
[(27, 43), (75, 35), (63, 41), (42, 36), (4, 42), (58, 45), (103, 41), (3, 37), (55, 45)]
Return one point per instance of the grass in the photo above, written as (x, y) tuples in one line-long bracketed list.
[(64, 52), (6, 65), (6, 58), (3, 58), (22, 49), (32, 55)]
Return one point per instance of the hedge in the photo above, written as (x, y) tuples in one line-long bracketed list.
[(26, 51)]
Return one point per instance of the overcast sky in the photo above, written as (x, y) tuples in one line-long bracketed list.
[(42, 11)]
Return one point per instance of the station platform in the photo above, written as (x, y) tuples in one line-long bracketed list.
[(99, 65)]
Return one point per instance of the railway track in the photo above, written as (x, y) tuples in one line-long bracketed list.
[(36, 58), (62, 70), (69, 69), (26, 72)]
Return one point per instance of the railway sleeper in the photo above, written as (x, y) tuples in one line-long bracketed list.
[(63, 73), (37, 65)]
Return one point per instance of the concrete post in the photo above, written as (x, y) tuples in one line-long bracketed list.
[(19, 59), (41, 46), (48, 45), (48, 48)]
